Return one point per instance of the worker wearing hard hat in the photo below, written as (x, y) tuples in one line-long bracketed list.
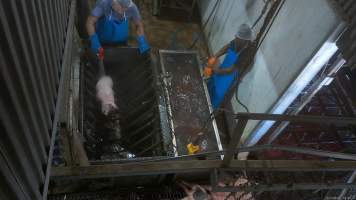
[(222, 76), (109, 24)]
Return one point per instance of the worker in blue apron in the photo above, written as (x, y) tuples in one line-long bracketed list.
[(225, 74), (108, 24)]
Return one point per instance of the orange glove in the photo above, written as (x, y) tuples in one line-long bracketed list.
[(211, 61), (208, 70)]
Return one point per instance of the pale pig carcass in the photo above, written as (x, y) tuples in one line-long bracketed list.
[(105, 94)]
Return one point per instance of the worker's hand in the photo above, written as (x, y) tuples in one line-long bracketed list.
[(94, 43), (211, 61), (208, 71), (142, 44)]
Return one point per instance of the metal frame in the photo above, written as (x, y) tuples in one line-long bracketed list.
[(189, 166), (138, 110), (350, 180), (244, 117), (66, 62), (213, 121), (147, 167), (323, 55), (215, 126), (346, 9), (314, 89), (169, 107), (241, 124)]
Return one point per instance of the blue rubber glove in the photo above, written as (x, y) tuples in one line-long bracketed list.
[(95, 44), (142, 45)]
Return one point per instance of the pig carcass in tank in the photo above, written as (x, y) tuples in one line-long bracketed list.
[(162, 105)]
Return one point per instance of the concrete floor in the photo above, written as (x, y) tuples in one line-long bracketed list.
[(160, 32)]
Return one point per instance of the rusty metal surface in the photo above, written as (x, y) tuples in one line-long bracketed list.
[(189, 105)]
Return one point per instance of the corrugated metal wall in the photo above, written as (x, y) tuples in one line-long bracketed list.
[(32, 41)]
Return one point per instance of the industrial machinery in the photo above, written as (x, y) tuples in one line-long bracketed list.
[(163, 106), (134, 130), (159, 108), (56, 144)]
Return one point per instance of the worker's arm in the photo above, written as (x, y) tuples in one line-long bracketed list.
[(139, 28), (213, 65), (94, 39), (140, 32), (226, 70), (242, 64), (142, 44), (90, 25), (218, 70), (216, 67), (222, 51)]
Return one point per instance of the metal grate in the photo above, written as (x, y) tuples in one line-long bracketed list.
[(133, 131), (33, 36)]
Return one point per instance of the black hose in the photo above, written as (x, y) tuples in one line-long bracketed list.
[(262, 13), (237, 97), (270, 25)]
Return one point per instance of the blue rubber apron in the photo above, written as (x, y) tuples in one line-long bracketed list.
[(111, 31), (219, 84)]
